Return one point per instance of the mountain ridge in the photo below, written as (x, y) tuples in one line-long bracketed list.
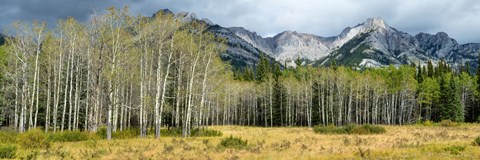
[(380, 45)]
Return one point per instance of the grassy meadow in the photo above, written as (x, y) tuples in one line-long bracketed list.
[(398, 142)]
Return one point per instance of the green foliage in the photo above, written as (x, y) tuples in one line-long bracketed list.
[(233, 142), (197, 132), (330, 129), (8, 137), (102, 132), (454, 149), (125, 134), (174, 132), (477, 141), (263, 69), (349, 129), (70, 136), (34, 139), (2, 39), (449, 104), (7, 151), (368, 129), (427, 123)]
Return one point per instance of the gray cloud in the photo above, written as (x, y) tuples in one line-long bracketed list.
[(268, 17)]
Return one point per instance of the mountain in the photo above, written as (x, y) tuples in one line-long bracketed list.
[(372, 43)]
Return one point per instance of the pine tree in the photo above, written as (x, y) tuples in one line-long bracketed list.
[(263, 69), (430, 69), (450, 107), (419, 76)]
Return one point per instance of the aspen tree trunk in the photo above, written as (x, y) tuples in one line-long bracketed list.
[(187, 125), (65, 95), (157, 97), (142, 99), (16, 117), (58, 83), (165, 85), (36, 103), (35, 76), (178, 98), (88, 117)]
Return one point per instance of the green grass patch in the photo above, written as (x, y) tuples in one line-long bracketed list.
[(197, 132), (8, 137), (124, 134), (454, 149), (349, 129), (173, 132), (70, 136), (34, 139), (477, 141), (7, 151), (233, 142)]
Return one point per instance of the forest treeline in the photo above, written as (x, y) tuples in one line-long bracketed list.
[(128, 72)]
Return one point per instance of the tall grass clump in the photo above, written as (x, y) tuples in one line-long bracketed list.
[(233, 142), (349, 129), (477, 141), (8, 137), (70, 136), (197, 132), (206, 133), (125, 134), (7, 151), (34, 139), (448, 123)]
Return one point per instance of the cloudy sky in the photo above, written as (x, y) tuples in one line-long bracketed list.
[(459, 18)]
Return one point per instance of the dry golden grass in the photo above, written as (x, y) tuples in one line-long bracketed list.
[(399, 142)]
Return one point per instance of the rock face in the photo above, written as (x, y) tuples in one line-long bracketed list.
[(371, 43)]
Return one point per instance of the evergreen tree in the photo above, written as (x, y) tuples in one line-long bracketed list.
[(449, 108), (248, 74), (430, 69), (263, 69), (419, 76)]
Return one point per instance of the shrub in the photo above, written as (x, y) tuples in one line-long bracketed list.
[(233, 142), (69, 136), (125, 134), (206, 133), (331, 129), (34, 138), (454, 149), (8, 137), (349, 129), (427, 123), (175, 132), (477, 141), (197, 132), (368, 129), (101, 132), (448, 123), (7, 151)]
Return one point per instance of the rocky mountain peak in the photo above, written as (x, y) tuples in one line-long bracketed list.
[(187, 16), (375, 23), (163, 11)]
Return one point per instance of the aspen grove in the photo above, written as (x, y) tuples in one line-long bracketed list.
[(132, 72)]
